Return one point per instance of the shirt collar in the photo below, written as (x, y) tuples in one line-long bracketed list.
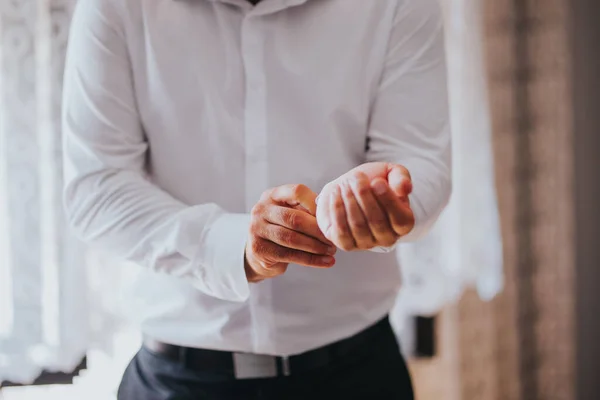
[(264, 6)]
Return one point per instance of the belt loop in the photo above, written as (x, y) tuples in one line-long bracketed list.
[(333, 352), (285, 366), (183, 356)]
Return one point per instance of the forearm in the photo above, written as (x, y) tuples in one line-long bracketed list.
[(410, 119), (126, 215), (108, 201), (432, 187), (431, 175)]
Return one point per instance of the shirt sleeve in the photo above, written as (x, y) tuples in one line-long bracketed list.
[(108, 199), (410, 116)]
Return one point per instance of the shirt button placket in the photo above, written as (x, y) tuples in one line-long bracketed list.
[(257, 178), (255, 112)]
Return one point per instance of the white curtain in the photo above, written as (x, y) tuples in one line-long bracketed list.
[(56, 300), (464, 250), (43, 307)]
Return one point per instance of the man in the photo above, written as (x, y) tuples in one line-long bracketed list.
[(198, 134)]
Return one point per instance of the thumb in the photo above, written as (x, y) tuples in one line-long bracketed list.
[(400, 181), (296, 196)]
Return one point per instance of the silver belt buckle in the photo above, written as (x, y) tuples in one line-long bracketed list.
[(254, 366)]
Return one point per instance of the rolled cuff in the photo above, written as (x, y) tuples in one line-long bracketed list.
[(222, 273)]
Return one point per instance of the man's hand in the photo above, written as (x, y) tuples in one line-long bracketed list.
[(284, 230), (367, 207)]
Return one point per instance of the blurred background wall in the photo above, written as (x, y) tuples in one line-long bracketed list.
[(521, 345)]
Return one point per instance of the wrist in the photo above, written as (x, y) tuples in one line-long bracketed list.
[(251, 275)]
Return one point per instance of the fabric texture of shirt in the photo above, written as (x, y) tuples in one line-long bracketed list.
[(178, 114)]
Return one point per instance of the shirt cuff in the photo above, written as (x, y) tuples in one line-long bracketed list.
[(222, 273), (382, 249)]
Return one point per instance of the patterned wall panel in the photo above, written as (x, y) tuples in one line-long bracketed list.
[(521, 345), (532, 336)]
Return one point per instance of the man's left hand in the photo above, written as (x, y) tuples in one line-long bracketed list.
[(367, 207)]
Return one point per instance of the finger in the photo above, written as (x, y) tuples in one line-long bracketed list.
[(400, 181), (376, 216), (279, 254), (339, 231), (294, 196), (296, 220), (270, 270), (306, 259), (261, 270), (357, 221), (295, 240), (323, 211), (399, 213)]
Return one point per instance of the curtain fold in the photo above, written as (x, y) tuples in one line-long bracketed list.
[(43, 311), (464, 249)]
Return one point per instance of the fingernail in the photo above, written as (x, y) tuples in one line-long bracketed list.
[(380, 187), (327, 260), (331, 250)]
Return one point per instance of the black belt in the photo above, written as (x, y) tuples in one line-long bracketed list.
[(247, 366)]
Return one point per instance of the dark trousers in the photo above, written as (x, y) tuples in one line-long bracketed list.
[(374, 371)]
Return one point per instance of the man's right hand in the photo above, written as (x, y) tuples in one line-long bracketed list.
[(284, 230)]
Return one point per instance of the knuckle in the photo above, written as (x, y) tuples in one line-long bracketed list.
[(256, 246), (288, 237), (293, 220), (266, 195), (339, 218), (357, 175), (388, 202), (279, 214), (379, 223), (359, 224), (367, 244), (405, 228), (346, 246), (338, 203), (363, 246), (362, 226), (313, 260), (340, 228), (388, 242), (297, 189), (279, 269), (315, 247), (254, 228), (284, 254), (344, 234), (281, 236), (344, 242), (362, 190), (257, 210)]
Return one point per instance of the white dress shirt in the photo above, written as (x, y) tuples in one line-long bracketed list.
[(178, 114)]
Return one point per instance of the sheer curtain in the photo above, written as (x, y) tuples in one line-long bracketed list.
[(57, 300), (43, 306), (464, 250)]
